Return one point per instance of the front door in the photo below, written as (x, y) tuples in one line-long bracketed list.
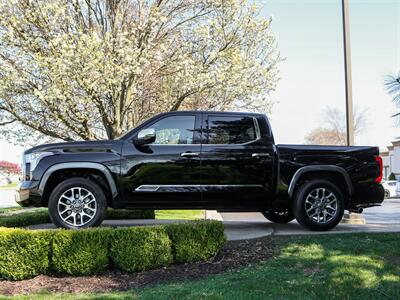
[(237, 161), (166, 172)]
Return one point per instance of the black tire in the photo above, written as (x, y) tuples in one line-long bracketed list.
[(279, 216), (97, 194), (306, 192)]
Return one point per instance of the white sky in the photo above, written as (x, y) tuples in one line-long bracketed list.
[(310, 37)]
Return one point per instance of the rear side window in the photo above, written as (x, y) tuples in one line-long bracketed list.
[(231, 129)]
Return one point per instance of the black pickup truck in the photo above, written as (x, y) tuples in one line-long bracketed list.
[(206, 160)]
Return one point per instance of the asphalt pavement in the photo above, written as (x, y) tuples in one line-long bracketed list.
[(385, 218)]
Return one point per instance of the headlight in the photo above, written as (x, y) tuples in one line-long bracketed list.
[(34, 158)]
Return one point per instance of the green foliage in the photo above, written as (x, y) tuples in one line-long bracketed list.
[(80, 252), (392, 176), (27, 253), (23, 254), (22, 219), (120, 214), (41, 216), (197, 240), (140, 248)]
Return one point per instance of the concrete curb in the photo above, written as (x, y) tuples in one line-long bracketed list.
[(213, 215)]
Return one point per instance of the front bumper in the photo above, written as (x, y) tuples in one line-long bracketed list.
[(27, 194)]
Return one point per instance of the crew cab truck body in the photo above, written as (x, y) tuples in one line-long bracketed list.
[(206, 160)]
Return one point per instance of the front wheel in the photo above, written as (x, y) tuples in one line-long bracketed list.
[(77, 203), (318, 205), (278, 216)]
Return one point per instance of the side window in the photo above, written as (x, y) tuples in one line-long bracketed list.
[(174, 130), (231, 130)]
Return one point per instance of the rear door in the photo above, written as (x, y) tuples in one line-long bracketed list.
[(237, 161)]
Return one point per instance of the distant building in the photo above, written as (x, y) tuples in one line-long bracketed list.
[(391, 160)]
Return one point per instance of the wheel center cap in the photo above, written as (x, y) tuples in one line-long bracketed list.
[(77, 205)]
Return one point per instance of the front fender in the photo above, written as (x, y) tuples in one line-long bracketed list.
[(78, 165)]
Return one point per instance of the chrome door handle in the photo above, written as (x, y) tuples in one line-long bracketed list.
[(189, 154), (258, 155)]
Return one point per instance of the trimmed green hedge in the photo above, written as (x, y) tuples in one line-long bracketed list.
[(80, 252), (140, 248), (41, 216), (22, 219), (196, 240), (25, 253)]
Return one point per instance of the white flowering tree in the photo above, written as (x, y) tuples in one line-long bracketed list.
[(92, 69)]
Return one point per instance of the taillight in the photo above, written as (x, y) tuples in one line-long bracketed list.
[(378, 159)]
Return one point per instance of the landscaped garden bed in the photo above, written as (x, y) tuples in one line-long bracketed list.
[(233, 255), (27, 253), (340, 266)]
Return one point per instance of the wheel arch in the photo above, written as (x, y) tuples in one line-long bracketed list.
[(306, 171), (106, 179)]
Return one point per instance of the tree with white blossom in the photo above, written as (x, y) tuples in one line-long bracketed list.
[(92, 69)]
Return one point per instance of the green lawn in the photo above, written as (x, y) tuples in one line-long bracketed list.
[(179, 214), (346, 266), (12, 185), (160, 214), (10, 209), (20, 217)]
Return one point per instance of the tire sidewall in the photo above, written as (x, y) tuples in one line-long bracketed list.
[(299, 205), (271, 216), (77, 182)]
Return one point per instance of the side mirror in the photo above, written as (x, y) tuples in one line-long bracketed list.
[(145, 136)]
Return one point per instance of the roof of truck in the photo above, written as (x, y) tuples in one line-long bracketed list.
[(217, 112)]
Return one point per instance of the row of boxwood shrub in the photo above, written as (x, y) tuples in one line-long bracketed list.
[(41, 216), (27, 253)]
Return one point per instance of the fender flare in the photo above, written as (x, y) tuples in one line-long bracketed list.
[(315, 168), (79, 165)]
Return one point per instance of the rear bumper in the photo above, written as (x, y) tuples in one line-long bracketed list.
[(368, 196), (27, 194)]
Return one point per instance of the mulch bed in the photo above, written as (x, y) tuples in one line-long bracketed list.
[(235, 254)]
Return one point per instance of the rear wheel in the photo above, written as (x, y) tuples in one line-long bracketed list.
[(387, 194), (279, 216), (319, 205), (77, 203)]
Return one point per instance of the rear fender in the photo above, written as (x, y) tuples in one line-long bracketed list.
[(320, 168)]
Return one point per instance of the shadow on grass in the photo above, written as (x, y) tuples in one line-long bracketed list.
[(348, 266), (355, 266)]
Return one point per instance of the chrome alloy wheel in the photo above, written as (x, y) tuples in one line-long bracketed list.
[(77, 206), (321, 205)]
